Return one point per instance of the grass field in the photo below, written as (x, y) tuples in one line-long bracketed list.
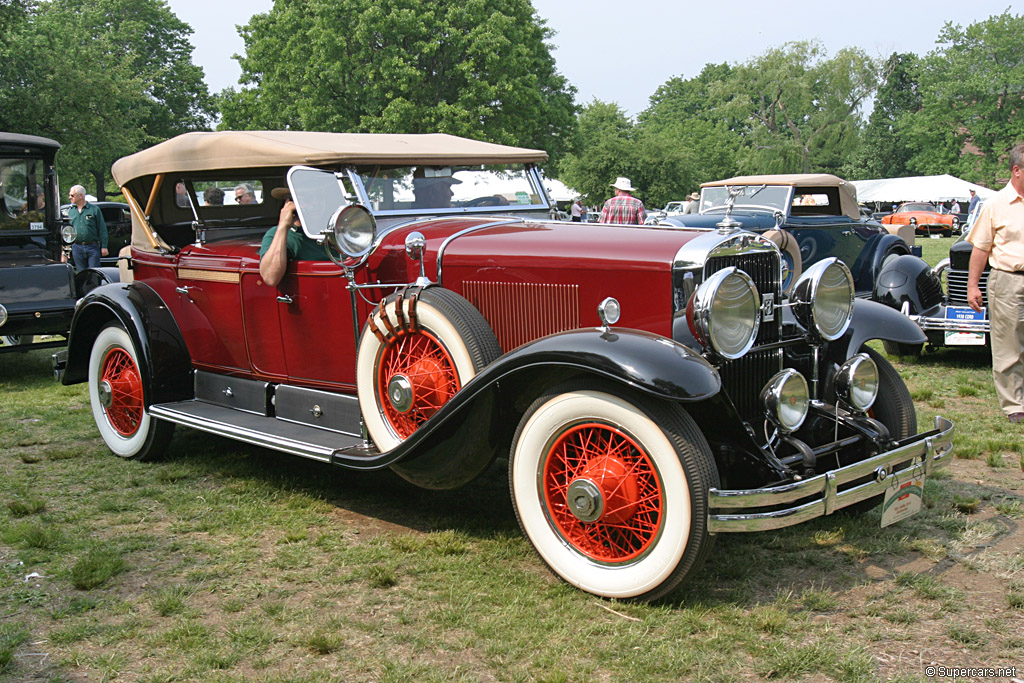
[(229, 563)]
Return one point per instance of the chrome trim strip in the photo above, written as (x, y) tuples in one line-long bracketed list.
[(930, 451), (301, 449), (453, 236), (926, 323)]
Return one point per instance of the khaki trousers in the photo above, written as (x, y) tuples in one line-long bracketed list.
[(1006, 315)]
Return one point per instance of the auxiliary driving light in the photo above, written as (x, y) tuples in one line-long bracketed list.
[(857, 382), (786, 400), (352, 230)]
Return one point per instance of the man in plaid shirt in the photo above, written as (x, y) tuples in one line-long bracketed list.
[(623, 207)]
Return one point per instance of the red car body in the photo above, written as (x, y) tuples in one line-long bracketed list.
[(650, 386)]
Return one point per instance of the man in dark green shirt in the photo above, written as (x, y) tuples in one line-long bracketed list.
[(286, 241), (91, 239)]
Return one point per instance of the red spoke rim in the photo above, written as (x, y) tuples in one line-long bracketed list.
[(629, 485), (122, 376), (427, 366)]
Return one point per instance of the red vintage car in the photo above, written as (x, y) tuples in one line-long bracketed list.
[(925, 218), (651, 387)]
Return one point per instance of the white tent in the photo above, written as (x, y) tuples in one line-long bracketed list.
[(558, 191), (931, 188)]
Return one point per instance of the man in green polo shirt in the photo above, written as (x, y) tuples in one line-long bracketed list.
[(91, 240), (286, 241)]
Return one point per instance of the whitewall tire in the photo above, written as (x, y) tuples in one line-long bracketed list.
[(611, 490)]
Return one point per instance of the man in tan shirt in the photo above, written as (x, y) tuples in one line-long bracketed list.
[(998, 239)]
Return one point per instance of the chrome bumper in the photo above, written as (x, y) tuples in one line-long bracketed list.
[(926, 323), (930, 450)]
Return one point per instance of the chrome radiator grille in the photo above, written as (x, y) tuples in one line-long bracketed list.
[(956, 287)]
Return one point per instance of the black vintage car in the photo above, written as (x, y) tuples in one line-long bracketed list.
[(941, 312), (37, 290), (118, 219), (810, 217)]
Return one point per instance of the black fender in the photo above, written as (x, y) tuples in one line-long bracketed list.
[(642, 361), (163, 355), (868, 265), (872, 320), (91, 278), (908, 279)]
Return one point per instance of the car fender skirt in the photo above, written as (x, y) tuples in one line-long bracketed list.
[(163, 356), (872, 320)]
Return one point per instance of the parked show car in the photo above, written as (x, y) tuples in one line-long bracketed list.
[(650, 387), (941, 311), (37, 290), (925, 218), (811, 217), (118, 219)]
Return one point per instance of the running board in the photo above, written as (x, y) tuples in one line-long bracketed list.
[(266, 432)]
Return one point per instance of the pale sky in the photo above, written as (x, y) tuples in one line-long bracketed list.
[(622, 51)]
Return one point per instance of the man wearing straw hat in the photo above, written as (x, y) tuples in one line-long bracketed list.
[(623, 208)]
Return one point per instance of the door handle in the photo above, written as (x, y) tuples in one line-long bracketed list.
[(184, 290), (284, 298)]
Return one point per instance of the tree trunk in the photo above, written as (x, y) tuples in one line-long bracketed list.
[(101, 192)]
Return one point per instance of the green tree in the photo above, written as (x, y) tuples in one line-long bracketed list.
[(607, 147), (477, 68), (103, 77), (972, 89), (885, 151), (686, 138), (802, 110)]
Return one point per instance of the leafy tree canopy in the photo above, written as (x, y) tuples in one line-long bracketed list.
[(102, 77), (885, 152), (476, 68), (972, 93)]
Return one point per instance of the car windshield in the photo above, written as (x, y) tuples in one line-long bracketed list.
[(413, 189), (769, 198), (22, 198), (916, 207)]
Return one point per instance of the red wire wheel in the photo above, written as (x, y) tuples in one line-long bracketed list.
[(122, 387), (416, 376), (603, 493)]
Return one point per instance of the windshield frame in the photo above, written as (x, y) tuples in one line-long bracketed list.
[(532, 175)]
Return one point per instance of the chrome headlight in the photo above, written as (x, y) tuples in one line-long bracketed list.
[(786, 400), (857, 382), (3, 315), (352, 230), (68, 234), (724, 313), (823, 298)]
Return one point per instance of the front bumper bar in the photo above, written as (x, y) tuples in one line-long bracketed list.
[(926, 324), (929, 450)]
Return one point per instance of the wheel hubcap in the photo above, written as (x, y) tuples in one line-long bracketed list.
[(106, 394), (400, 393), (585, 500), (602, 493)]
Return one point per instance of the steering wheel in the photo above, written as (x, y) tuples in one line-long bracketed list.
[(491, 200)]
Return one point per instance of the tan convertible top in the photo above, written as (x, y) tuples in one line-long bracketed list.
[(847, 190), (264, 148)]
